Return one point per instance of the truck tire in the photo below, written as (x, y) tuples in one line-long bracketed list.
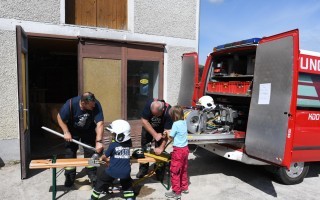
[(294, 175)]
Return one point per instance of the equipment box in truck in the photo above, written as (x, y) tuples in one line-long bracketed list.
[(266, 89)]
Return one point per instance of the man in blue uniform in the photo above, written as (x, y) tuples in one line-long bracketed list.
[(155, 120), (81, 118)]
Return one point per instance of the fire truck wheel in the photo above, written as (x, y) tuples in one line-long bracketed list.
[(294, 175)]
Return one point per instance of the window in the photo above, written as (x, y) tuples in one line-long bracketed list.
[(143, 84), (100, 13), (309, 91)]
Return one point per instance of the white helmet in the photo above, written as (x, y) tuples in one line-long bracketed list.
[(122, 130), (206, 102)]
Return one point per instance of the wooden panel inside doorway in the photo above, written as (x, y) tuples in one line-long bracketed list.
[(103, 78)]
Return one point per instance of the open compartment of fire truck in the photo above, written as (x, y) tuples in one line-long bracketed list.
[(229, 83), (232, 73)]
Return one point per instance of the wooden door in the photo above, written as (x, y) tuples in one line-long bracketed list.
[(22, 64)]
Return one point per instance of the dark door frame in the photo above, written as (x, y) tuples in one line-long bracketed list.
[(24, 133)]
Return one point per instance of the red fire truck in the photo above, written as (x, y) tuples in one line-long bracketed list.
[(266, 94)]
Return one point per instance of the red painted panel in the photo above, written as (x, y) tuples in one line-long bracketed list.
[(309, 64), (305, 155), (204, 77), (307, 131)]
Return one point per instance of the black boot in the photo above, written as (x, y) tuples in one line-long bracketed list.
[(143, 170), (160, 172), (70, 177), (92, 174)]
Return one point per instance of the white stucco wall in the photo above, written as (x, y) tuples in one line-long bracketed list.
[(166, 18), (173, 71), (9, 85), (31, 10), (9, 127)]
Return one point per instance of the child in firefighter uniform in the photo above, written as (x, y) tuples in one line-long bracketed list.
[(179, 156), (119, 165)]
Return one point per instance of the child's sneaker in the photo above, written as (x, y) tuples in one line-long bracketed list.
[(185, 191), (173, 195)]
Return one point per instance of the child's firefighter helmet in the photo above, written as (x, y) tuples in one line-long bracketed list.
[(122, 130)]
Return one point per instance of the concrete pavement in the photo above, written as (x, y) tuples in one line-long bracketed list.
[(211, 177)]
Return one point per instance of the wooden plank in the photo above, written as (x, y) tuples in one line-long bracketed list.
[(78, 16), (117, 12), (143, 160), (60, 163), (74, 162), (102, 14), (121, 14), (162, 157), (89, 12), (109, 10), (114, 14), (125, 15)]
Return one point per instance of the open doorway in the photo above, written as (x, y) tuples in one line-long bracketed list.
[(53, 78)]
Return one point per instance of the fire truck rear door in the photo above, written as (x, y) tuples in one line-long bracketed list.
[(189, 86), (269, 113)]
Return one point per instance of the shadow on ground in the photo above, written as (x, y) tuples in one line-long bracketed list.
[(62, 188), (1, 163), (314, 170), (260, 177), (208, 163)]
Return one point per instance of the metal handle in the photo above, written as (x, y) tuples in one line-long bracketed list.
[(21, 110), (75, 141)]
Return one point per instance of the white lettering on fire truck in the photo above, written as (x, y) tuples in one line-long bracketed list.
[(310, 64), (314, 117)]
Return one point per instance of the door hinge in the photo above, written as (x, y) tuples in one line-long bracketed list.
[(20, 110), (287, 113)]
